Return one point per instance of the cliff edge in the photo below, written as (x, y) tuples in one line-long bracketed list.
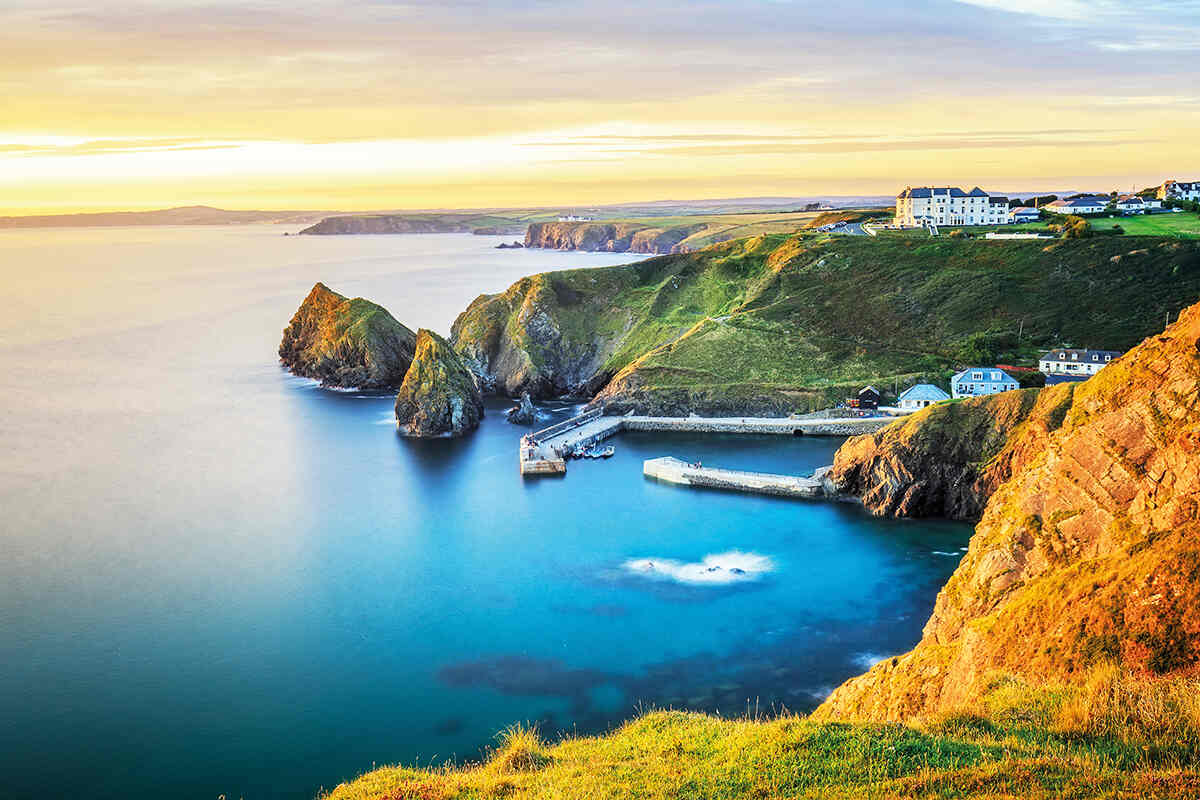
[(1088, 552), (947, 460)]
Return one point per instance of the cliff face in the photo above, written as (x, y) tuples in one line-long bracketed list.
[(1089, 551), (947, 460), (548, 335), (407, 223), (346, 343), (439, 396), (612, 237)]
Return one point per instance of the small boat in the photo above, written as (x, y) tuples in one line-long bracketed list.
[(601, 452), (579, 452)]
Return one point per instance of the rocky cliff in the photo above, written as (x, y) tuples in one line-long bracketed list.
[(947, 460), (612, 237), (346, 343), (439, 396), (409, 223), (1088, 552)]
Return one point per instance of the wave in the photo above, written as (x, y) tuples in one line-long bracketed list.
[(713, 570)]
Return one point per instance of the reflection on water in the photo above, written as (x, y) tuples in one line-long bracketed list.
[(218, 578)]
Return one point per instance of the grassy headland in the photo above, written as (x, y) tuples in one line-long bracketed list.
[(1111, 736), (779, 322)]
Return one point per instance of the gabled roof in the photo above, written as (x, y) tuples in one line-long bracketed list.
[(866, 389), (1004, 376), (1064, 354), (924, 391), (939, 191), (1025, 210)]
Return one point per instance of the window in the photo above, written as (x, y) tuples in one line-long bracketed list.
[(1095, 357), (976, 376), (1107, 358)]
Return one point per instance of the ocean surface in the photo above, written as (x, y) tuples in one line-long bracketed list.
[(219, 579)]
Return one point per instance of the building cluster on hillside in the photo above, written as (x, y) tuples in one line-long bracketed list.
[(933, 206), (1058, 366)]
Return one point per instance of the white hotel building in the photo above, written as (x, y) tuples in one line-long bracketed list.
[(928, 205)]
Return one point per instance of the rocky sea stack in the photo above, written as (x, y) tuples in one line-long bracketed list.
[(1087, 552), (523, 413), (439, 396), (344, 343)]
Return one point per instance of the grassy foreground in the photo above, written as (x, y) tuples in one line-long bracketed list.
[(1114, 736)]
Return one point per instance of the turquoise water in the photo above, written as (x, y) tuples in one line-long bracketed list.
[(221, 579)]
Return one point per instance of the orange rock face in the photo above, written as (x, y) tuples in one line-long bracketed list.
[(1088, 550)]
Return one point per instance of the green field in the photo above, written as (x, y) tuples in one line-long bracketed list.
[(1180, 226)]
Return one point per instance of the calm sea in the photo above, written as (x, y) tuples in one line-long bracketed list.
[(220, 579)]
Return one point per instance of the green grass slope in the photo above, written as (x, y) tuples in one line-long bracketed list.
[(778, 322), (1115, 736)]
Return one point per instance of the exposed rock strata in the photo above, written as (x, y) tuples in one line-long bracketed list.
[(402, 223), (612, 237), (439, 396), (948, 459), (346, 343), (1090, 550)]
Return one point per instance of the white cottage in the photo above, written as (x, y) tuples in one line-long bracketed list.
[(920, 396)]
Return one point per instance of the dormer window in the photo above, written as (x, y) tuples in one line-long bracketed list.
[(1074, 356), (1108, 358), (976, 376)]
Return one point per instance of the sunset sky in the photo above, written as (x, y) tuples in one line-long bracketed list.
[(374, 104)]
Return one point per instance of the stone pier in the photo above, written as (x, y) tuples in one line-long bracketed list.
[(683, 473)]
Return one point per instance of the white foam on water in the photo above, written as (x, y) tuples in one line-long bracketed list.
[(941, 553), (713, 570)]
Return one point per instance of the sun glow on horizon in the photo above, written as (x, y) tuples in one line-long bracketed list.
[(302, 106)]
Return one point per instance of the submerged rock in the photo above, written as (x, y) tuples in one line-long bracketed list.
[(353, 344), (523, 413), (439, 396)]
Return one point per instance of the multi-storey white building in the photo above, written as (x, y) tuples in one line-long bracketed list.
[(1179, 190), (948, 205), (1069, 364)]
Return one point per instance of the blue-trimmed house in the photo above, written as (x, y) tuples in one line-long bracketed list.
[(920, 396), (980, 381)]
